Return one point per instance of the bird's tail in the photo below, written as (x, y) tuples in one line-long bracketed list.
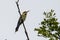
[(16, 29)]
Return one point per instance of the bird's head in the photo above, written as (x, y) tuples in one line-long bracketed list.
[(25, 12)]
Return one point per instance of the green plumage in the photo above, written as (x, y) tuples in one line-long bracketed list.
[(21, 20)]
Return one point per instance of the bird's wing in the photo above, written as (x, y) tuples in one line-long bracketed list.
[(20, 21)]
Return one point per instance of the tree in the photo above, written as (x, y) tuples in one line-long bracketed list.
[(49, 26)]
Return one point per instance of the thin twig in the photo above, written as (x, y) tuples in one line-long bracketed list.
[(18, 7), (26, 32), (23, 23)]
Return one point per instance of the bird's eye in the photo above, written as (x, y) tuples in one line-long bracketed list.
[(25, 14)]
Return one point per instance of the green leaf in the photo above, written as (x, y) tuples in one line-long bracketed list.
[(52, 24)]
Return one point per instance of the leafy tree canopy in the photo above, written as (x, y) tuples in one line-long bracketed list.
[(49, 26)]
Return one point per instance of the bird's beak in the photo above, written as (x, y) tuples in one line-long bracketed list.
[(27, 11)]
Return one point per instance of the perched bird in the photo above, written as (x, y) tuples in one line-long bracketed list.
[(21, 20)]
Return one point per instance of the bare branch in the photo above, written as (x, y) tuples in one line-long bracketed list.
[(23, 23), (18, 7)]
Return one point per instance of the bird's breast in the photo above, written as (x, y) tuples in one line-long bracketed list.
[(24, 17)]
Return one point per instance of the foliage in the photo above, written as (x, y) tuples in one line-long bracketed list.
[(49, 26)]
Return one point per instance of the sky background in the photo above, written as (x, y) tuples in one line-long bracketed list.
[(9, 17)]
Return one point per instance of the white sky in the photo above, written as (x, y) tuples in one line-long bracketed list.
[(9, 17)]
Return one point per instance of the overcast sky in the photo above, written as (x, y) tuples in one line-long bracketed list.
[(9, 17)]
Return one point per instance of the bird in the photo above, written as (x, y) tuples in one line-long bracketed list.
[(21, 19)]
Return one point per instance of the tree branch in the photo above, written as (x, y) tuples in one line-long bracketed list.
[(23, 23)]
